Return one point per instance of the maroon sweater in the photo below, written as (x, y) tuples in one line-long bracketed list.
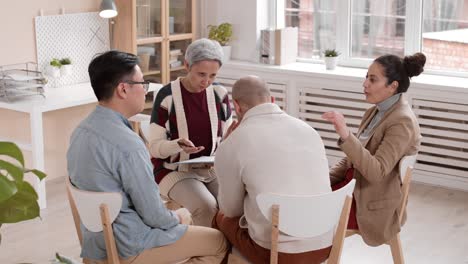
[(198, 120)]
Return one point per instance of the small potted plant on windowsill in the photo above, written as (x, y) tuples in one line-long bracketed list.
[(222, 34), (330, 58), (66, 67)]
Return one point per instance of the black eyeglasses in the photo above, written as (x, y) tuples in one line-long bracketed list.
[(145, 84)]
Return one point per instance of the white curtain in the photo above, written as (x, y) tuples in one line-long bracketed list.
[(324, 24), (437, 14)]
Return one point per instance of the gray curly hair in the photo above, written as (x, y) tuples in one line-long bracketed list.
[(204, 49)]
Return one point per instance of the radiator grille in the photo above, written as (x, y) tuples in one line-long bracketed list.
[(277, 90), (313, 102), (444, 146)]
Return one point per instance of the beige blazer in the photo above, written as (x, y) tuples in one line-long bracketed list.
[(378, 185)]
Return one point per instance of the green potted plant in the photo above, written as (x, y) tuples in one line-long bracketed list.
[(66, 67), (331, 58), (223, 34), (18, 199), (53, 69)]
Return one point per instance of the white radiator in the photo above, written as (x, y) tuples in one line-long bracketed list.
[(444, 146), (277, 90), (444, 127), (313, 102), (442, 114)]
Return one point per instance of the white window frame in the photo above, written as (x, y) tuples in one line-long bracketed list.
[(413, 33)]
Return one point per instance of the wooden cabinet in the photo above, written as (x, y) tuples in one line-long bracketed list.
[(158, 32)]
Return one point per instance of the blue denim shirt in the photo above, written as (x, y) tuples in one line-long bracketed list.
[(106, 155)]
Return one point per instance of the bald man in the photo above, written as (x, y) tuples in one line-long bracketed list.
[(267, 151)]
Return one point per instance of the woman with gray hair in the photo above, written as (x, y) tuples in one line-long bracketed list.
[(188, 120)]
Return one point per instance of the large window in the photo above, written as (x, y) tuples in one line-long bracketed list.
[(377, 28), (316, 21), (365, 29), (445, 34)]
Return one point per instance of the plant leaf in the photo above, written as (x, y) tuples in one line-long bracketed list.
[(27, 188), (65, 260), (15, 171), (7, 188), (12, 150), (41, 175), (21, 206), (221, 33)]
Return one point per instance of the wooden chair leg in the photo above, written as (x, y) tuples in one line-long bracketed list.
[(274, 234), (397, 252), (338, 240)]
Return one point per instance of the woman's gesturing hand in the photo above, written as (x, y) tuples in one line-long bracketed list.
[(188, 147), (337, 119)]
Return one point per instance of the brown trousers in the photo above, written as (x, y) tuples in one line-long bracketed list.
[(200, 245), (240, 239)]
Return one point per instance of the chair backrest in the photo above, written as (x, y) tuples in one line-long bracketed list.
[(308, 215), (406, 169), (407, 162), (97, 211), (141, 124), (88, 206)]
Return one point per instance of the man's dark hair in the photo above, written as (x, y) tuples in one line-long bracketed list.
[(108, 69)]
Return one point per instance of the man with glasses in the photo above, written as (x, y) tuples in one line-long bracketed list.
[(144, 83), (106, 155)]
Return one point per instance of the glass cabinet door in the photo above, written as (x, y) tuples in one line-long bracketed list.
[(148, 18), (149, 56), (176, 58), (180, 16)]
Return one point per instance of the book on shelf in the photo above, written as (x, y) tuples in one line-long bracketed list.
[(175, 64), (175, 52)]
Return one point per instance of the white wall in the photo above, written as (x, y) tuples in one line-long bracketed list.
[(18, 45), (248, 17), (18, 40)]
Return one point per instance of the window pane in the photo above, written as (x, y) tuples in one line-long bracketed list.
[(316, 21), (180, 16), (150, 61), (445, 34), (176, 59), (378, 28)]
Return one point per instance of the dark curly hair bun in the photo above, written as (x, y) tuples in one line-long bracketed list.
[(414, 64)]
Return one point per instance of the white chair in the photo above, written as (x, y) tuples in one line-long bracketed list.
[(406, 166), (140, 124), (97, 211), (308, 216)]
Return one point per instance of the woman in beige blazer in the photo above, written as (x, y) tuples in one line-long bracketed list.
[(388, 131)]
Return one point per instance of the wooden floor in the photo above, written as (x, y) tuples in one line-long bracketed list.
[(436, 231)]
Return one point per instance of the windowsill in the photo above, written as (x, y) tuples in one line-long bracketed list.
[(343, 73)]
